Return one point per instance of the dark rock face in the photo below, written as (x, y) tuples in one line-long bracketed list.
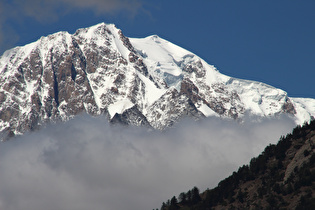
[(170, 108), (131, 116), (288, 107), (190, 90)]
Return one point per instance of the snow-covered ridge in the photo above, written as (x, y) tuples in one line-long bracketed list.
[(147, 81)]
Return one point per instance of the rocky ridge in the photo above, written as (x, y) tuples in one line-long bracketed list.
[(147, 81)]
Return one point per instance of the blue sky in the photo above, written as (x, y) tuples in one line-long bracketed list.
[(272, 41)]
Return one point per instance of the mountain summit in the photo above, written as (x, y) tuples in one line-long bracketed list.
[(147, 81)]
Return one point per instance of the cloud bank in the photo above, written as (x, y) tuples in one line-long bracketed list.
[(88, 164)]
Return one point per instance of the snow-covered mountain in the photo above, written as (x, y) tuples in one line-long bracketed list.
[(147, 81)]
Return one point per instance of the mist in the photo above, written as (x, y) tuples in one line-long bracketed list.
[(86, 163)]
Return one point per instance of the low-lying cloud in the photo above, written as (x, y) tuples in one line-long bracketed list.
[(88, 164)]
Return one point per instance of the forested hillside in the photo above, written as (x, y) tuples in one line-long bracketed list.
[(282, 177)]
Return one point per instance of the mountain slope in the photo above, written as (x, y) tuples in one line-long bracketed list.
[(282, 177), (148, 81)]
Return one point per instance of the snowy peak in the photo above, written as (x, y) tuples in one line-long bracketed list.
[(147, 81)]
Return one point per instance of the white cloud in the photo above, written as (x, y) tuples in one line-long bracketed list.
[(104, 6), (88, 164), (43, 11)]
